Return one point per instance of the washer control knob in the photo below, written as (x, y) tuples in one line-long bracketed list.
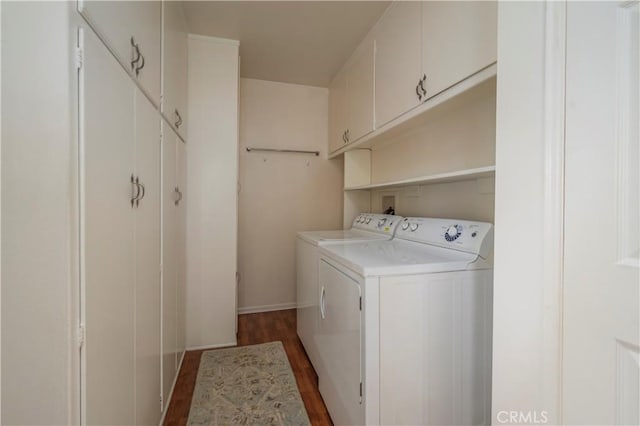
[(381, 222), (368, 219), (405, 225), (414, 227), (453, 232)]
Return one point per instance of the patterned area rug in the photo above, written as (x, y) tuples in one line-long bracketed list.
[(248, 385)]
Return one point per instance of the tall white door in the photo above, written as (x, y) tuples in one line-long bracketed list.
[(147, 260), (181, 247), (601, 336), (107, 214), (169, 261)]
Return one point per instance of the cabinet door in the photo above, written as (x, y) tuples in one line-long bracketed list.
[(181, 245), (174, 65), (398, 61), (117, 22), (459, 39), (338, 110), (169, 261), (147, 259), (360, 93), (107, 234), (338, 342)]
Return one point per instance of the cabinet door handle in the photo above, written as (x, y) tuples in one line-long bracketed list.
[(322, 299), (136, 54), (424, 79), (141, 195), (348, 135), (138, 68), (178, 196), (178, 122), (344, 137), (134, 196), (418, 91)]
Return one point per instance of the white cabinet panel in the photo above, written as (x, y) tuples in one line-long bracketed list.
[(459, 38), (360, 93), (398, 61), (106, 147), (174, 65), (338, 110), (169, 261), (338, 342), (117, 22), (147, 263), (181, 255)]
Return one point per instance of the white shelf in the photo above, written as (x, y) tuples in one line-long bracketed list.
[(467, 174), (478, 84)]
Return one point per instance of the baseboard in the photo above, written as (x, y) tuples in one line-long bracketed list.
[(266, 308), (220, 345), (173, 385)]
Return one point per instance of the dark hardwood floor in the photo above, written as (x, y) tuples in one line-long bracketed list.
[(253, 329)]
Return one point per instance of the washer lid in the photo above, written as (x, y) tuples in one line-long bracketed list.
[(397, 257), (336, 237)]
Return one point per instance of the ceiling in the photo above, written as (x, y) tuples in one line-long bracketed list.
[(302, 42)]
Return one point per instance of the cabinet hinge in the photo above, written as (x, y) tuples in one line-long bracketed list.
[(360, 391), (80, 336), (360, 302), (79, 57)]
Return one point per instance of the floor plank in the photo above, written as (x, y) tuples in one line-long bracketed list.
[(252, 329)]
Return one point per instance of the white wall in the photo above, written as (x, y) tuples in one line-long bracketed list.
[(525, 336), (282, 193), (458, 136), (211, 196), (39, 278)]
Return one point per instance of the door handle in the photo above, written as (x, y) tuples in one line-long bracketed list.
[(322, 299), (418, 91), (178, 122), (143, 192), (136, 54), (138, 68), (421, 84), (134, 196)]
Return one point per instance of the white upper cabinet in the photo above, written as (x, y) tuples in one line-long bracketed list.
[(398, 61), (351, 99), (338, 112), (131, 29), (360, 93), (458, 39), (174, 66)]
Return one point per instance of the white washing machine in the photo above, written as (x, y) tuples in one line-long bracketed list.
[(405, 329), (365, 227)]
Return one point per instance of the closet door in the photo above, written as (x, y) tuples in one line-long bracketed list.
[(107, 237), (169, 261), (147, 259), (174, 65), (181, 245), (119, 21)]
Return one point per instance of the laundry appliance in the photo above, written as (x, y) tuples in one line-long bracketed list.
[(365, 227), (404, 335)]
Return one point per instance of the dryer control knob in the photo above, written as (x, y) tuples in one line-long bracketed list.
[(453, 233), (368, 219), (405, 225), (414, 227), (381, 222)]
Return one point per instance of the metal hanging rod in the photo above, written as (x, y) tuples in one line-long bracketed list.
[(294, 151)]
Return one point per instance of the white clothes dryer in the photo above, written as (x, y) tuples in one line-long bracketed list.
[(404, 335), (365, 227)]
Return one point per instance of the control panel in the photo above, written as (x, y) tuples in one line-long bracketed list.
[(462, 235), (380, 223)]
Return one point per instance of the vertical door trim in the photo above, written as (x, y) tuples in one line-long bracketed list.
[(554, 173)]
